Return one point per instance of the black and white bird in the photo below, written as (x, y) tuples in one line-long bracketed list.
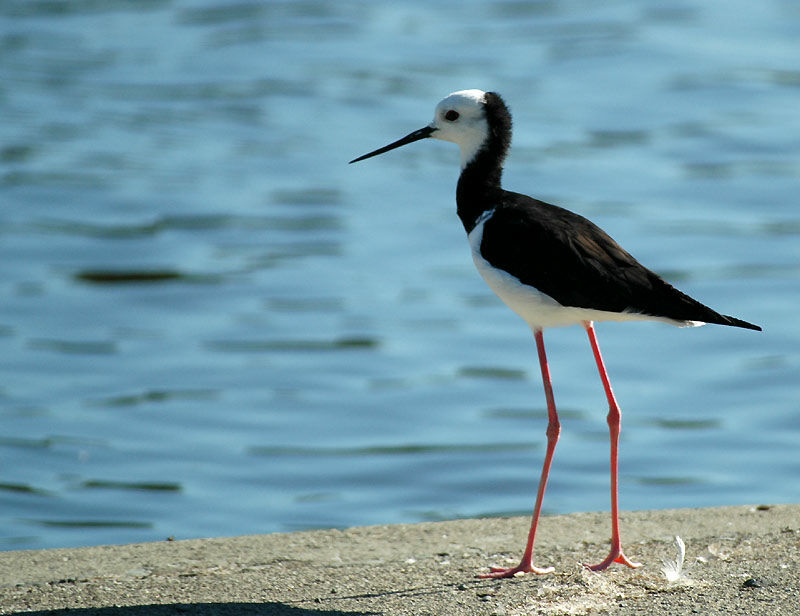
[(552, 267)]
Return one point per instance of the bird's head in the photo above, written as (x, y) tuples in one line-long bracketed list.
[(460, 118)]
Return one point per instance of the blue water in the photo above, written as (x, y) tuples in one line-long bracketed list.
[(212, 325)]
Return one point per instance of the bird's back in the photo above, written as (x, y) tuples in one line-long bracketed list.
[(570, 259)]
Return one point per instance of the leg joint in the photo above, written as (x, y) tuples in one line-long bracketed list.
[(553, 429)]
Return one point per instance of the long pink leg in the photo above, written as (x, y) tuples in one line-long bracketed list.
[(614, 415), (553, 431)]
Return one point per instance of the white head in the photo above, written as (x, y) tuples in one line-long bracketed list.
[(460, 117)]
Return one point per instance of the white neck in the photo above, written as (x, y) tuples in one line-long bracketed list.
[(470, 144)]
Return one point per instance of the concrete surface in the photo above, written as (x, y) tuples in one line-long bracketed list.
[(739, 560)]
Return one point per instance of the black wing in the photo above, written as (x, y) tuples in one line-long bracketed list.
[(578, 264)]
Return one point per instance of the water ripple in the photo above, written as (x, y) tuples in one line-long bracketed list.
[(149, 486), (88, 523), (154, 396), (74, 347), (491, 372), (258, 346), (390, 450), (130, 276), (23, 488)]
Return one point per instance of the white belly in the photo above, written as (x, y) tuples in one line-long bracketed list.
[(538, 309)]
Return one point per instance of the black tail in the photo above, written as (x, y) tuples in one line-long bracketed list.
[(672, 303), (733, 321)]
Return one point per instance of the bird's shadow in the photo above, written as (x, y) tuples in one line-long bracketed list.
[(270, 608)]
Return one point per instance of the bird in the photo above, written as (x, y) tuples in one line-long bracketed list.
[(552, 267)]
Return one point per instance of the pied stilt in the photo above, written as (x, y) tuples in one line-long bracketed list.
[(552, 267)]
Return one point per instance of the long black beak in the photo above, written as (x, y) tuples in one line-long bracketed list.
[(422, 133)]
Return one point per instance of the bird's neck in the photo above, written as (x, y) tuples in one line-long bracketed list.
[(478, 187)]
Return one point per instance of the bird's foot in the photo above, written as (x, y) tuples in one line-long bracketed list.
[(523, 567), (615, 556)]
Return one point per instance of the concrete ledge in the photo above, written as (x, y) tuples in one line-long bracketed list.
[(750, 565)]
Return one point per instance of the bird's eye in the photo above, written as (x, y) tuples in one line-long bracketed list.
[(451, 115)]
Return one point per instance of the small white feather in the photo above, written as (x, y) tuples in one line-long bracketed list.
[(673, 569)]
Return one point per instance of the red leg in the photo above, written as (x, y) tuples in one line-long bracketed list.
[(614, 415), (553, 431)]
